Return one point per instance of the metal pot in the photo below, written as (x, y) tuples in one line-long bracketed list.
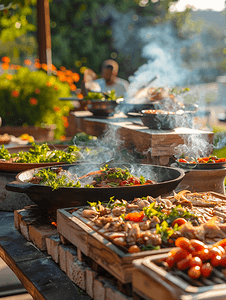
[(48, 200), (101, 108)]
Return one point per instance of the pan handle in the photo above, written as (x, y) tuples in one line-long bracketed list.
[(16, 186)]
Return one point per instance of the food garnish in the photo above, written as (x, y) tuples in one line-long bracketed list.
[(201, 160)]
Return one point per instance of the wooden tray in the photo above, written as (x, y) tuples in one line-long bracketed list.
[(106, 254), (167, 286)]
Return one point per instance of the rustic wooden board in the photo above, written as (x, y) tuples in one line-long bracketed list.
[(163, 283), (77, 231), (161, 142), (38, 273)]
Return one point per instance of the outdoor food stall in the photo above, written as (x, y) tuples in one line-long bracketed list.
[(119, 227)]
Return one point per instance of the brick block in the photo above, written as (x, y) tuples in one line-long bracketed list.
[(113, 294), (62, 257), (90, 276), (52, 245), (38, 235), (99, 290), (24, 229), (75, 270)]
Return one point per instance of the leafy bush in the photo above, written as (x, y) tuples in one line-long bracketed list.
[(32, 98)]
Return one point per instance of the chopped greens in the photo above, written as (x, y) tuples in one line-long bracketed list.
[(43, 154)]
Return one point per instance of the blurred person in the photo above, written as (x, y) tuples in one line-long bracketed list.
[(109, 79)]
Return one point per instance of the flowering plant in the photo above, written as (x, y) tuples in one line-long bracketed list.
[(31, 97)]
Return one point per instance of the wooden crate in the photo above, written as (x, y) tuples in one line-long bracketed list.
[(164, 285), (77, 231)]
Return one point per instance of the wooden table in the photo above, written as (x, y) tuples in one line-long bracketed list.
[(159, 144), (38, 273)]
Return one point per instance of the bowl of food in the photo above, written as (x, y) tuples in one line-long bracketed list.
[(101, 103), (201, 163), (76, 185)]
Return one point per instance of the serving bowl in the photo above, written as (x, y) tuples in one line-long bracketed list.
[(50, 200)]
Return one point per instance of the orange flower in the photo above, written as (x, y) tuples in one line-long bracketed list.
[(37, 91), (64, 119), (12, 67), (73, 87), (59, 73), (5, 66), (27, 62), (48, 83), (57, 108), (62, 138), (56, 87), (53, 68), (62, 78), (80, 96), (75, 76), (37, 65), (62, 68), (6, 59), (15, 93), (33, 101), (68, 72), (9, 76), (44, 66), (37, 60), (66, 124), (18, 67), (69, 79)]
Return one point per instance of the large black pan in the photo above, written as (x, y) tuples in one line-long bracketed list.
[(48, 200)]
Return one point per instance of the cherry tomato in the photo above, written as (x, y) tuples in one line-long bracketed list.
[(148, 181), (184, 243), (194, 272), (134, 249), (170, 261), (124, 182), (195, 261), (215, 251), (206, 269), (204, 254), (178, 221), (221, 243), (180, 254), (197, 245), (223, 261), (215, 261), (184, 263)]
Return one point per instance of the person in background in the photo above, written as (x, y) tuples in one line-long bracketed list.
[(108, 81), (109, 78)]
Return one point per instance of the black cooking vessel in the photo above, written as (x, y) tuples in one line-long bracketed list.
[(48, 200)]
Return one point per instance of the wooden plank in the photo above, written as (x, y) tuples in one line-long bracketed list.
[(101, 250), (41, 277)]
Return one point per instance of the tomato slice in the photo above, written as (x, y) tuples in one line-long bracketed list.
[(179, 222), (124, 182)]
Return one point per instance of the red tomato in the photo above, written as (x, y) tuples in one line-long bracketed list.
[(205, 254), (221, 243), (182, 160), (195, 261), (184, 263), (180, 254), (184, 243), (223, 261), (194, 272), (170, 261), (206, 269), (215, 251), (134, 180), (197, 245), (215, 261), (178, 221), (135, 217), (220, 160), (124, 182)]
